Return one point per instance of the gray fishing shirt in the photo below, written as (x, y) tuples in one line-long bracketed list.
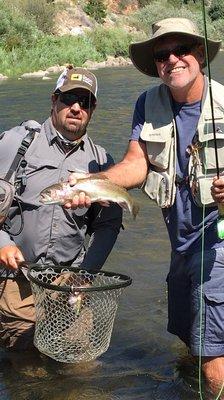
[(52, 234)]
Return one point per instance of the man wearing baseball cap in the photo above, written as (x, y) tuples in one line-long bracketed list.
[(171, 155), (37, 233)]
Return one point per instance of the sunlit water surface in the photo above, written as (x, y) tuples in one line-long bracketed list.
[(143, 362)]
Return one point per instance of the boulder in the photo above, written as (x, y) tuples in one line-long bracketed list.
[(37, 74), (3, 77)]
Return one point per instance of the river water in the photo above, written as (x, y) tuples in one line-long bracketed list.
[(143, 361)]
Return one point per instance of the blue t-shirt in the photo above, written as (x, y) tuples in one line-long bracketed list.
[(184, 220)]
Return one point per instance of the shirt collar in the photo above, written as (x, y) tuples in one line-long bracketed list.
[(54, 136)]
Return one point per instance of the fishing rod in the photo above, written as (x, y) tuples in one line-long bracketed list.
[(220, 221)]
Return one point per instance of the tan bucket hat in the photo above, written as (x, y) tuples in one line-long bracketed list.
[(142, 53)]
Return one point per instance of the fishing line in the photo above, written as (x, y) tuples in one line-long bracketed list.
[(220, 222)]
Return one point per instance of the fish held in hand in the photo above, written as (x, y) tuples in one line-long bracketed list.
[(98, 189)]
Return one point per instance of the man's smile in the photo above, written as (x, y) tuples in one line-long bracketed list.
[(176, 69)]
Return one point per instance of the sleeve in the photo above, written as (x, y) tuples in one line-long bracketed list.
[(104, 226), (138, 117)]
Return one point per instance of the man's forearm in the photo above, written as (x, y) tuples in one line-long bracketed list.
[(126, 175), (132, 170)]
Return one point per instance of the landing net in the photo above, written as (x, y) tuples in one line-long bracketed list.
[(75, 311)]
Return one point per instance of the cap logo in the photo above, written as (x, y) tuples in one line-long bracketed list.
[(80, 77), (76, 77)]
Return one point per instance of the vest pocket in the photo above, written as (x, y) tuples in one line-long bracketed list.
[(202, 194), (158, 142), (208, 156), (157, 188), (159, 153)]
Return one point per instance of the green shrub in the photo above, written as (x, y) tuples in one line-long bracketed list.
[(42, 11), (143, 3), (216, 10), (145, 17), (48, 51), (218, 33), (114, 42), (15, 29), (96, 9)]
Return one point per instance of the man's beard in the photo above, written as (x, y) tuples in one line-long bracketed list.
[(73, 131)]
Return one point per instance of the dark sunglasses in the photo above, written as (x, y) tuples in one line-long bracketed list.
[(71, 98), (178, 51)]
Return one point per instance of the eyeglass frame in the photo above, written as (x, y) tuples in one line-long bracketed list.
[(179, 51), (84, 101)]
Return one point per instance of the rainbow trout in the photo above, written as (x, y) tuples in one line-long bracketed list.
[(98, 189)]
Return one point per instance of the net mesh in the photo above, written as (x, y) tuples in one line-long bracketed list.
[(74, 325)]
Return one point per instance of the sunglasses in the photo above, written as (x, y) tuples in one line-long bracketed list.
[(71, 98), (178, 51)]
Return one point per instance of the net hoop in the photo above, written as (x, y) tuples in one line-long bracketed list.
[(124, 279)]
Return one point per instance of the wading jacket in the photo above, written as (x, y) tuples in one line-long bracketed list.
[(159, 133), (51, 233)]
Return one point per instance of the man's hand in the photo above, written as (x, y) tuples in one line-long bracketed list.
[(217, 189), (81, 200), (11, 257)]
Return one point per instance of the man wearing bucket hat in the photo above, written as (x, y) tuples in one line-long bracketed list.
[(171, 156), (36, 233)]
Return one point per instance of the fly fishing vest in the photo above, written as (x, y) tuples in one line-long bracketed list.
[(160, 134)]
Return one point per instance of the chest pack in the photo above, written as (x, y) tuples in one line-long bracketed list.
[(9, 184)]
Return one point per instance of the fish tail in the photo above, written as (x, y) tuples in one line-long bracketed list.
[(135, 209)]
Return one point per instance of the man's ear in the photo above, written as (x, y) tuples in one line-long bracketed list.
[(54, 98), (201, 54)]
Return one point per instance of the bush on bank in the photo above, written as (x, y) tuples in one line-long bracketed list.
[(52, 50), (156, 10)]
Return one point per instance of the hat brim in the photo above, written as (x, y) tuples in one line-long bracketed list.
[(67, 88), (142, 56)]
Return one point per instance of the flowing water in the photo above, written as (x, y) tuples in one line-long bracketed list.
[(143, 362)]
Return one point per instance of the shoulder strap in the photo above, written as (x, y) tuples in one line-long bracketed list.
[(21, 151)]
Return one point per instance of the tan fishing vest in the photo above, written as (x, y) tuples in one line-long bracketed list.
[(159, 133)]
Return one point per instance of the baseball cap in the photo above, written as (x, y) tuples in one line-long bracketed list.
[(73, 78)]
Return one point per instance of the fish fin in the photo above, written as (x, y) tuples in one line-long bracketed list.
[(135, 210), (123, 205), (98, 176), (102, 202)]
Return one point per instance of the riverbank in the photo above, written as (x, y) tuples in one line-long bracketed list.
[(92, 65)]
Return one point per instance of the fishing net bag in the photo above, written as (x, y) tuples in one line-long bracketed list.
[(75, 311)]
